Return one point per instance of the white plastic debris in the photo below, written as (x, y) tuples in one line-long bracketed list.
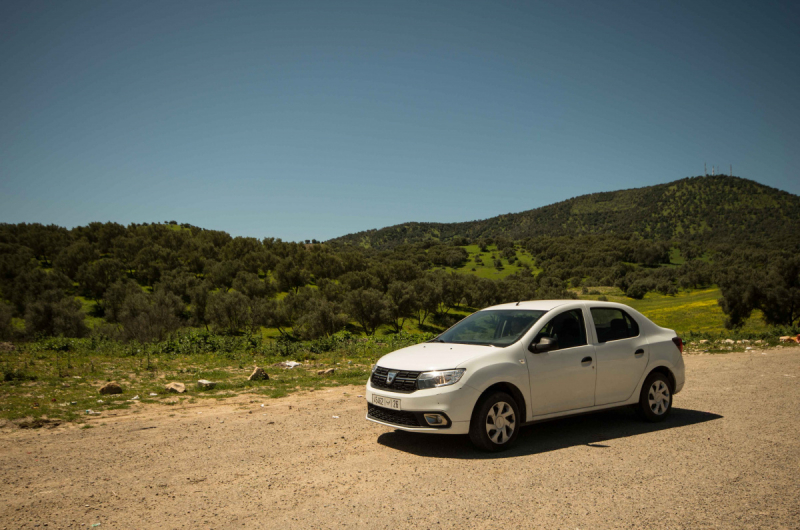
[(99, 400), (336, 417), (153, 394), (289, 364), (134, 398)]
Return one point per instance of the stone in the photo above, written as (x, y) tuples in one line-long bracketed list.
[(205, 384), (7, 347), (111, 388), (258, 375), (178, 388), (326, 372), (728, 341), (704, 341)]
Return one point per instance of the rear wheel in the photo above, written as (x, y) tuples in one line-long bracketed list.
[(495, 422), (655, 401)]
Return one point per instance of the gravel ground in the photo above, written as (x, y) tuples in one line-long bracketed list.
[(728, 457)]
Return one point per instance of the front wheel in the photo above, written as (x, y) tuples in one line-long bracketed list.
[(495, 422), (655, 401)]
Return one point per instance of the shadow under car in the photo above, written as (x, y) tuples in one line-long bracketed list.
[(589, 429)]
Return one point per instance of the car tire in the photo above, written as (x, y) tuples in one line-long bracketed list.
[(498, 408), (655, 400)]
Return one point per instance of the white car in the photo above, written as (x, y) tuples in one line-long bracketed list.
[(514, 364)]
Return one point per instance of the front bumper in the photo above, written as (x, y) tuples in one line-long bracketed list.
[(455, 403)]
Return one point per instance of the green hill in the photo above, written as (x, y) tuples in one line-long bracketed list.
[(699, 208)]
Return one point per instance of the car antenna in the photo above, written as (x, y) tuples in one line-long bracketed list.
[(519, 302)]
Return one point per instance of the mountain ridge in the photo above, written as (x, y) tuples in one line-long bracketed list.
[(698, 207)]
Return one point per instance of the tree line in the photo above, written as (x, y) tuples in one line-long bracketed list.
[(145, 281)]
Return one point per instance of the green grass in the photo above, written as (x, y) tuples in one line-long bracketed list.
[(675, 257), (88, 306), (689, 311), (43, 382)]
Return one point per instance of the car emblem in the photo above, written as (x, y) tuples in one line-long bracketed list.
[(390, 377)]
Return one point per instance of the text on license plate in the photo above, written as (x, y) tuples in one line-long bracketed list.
[(389, 403)]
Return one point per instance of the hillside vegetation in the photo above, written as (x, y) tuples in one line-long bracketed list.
[(709, 208), (145, 283)]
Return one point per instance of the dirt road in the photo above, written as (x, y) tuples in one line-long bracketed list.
[(728, 457)]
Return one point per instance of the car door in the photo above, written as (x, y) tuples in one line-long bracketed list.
[(563, 378), (622, 354)]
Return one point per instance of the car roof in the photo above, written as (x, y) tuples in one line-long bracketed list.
[(541, 305), (547, 305)]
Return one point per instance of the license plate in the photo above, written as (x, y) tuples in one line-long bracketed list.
[(389, 403)]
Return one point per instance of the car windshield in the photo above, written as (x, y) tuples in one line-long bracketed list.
[(492, 328)]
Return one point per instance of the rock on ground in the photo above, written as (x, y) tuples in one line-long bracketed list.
[(258, 375), (111, 388), (180, 388)]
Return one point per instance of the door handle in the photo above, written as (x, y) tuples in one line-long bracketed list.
[(639, 352), (586, 360)]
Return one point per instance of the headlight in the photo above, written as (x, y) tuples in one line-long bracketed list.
[(374, 367), (439, 378)]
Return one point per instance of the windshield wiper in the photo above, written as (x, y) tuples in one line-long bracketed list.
[(437, 340)]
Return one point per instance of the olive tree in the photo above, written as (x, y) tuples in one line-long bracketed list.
[(369, 307), (55, 314), (150, 317)]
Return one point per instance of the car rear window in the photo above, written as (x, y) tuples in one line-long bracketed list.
[(613, 324)]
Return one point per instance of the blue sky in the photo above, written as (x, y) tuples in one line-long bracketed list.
[(305, 120)]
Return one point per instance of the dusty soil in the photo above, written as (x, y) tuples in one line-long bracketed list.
[(728, 457)]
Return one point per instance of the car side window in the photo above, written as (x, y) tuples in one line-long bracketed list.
[(613, 324), (568, 328)]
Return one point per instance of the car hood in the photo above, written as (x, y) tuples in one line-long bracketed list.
[(432, 356)]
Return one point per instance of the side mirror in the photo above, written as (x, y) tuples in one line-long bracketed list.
[(544, 344)]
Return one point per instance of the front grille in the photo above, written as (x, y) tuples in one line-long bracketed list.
[(398, 417), (405, 381)]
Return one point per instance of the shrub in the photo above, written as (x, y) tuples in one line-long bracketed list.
[(150, 317), (6, 312), (229, 311), (320, 319), (637, 290), (55, 314)]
